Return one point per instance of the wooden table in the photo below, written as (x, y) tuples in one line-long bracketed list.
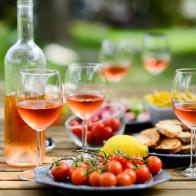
[(11, 185)]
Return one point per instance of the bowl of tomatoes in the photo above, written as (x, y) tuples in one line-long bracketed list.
[(108, 121)]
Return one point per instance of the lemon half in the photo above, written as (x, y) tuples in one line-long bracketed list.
[(126, 144)]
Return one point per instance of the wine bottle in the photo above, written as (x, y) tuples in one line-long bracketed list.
[(19, 138)]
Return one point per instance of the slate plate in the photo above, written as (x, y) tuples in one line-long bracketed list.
[(42, 175)]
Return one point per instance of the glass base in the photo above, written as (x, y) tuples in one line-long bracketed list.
[(27, 175), (189, 172)]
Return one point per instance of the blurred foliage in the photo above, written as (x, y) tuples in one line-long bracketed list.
[(181, 43), (7, 38)]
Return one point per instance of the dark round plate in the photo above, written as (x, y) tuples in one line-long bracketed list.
[(175, 156), (42, 176)]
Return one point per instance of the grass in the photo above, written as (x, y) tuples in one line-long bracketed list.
[(87, 37), (181, 42)]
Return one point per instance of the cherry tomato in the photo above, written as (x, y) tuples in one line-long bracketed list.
[(60, 171), (71, 169), (115, 167), (137, 160), (93, 178), (74, 123), (78, 176), (124, 179), (121, 159), (142, 173), (107, 133), (90, 138), (132, 173), (77, 131), (107, 179), (83, 165), (130, 165), (154, 164), (114, 123), (98, 131)]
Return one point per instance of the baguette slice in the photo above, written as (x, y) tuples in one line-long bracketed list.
[(149, 137), (169, 145), (168, 128), (185, 128), (184, 137), (185, 149)]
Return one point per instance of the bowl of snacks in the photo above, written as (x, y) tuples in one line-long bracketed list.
[(159, 106), (108, 121)]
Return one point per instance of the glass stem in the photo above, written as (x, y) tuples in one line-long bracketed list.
[(193, 149), (39, 152), (84, 134)]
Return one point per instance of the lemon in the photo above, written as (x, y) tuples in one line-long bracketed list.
[(126, 144)]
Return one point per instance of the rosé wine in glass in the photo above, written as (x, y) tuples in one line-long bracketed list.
[(184, 105), (85, 104), (85, 92)]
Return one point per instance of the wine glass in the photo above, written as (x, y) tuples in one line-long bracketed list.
[(184, 106), (84, 91), (116, 58), (39, 101), (156, 52)]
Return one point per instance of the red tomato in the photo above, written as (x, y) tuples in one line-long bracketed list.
[(154, 164), (93, 178), (121, 159), (77, 131), (124, 179), (107, 179), (83, 165), (114, 123), (132, 173), (108, 133), (137, 160), (142, 173), (78, 176), (90, 138), (115, 167), (130, 165), (98, 131), (74, 123), (60, 171), (71, 169)]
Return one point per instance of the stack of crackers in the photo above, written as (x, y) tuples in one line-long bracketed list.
[(168, 136)]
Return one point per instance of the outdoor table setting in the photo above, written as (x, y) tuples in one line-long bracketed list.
[(11, 184), (80, 129)]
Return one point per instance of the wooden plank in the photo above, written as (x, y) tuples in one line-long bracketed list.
[(43, 192), (9, 176), (20, 185)]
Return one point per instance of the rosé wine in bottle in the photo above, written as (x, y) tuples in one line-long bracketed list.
[(19, 138)]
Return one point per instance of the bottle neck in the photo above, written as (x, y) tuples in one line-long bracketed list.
[(25, 20)]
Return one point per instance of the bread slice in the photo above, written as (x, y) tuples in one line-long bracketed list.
[(185, 149), (149, 137), (184, 137), (177, 122), (168, 128), (169, 145), (185, 128)]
